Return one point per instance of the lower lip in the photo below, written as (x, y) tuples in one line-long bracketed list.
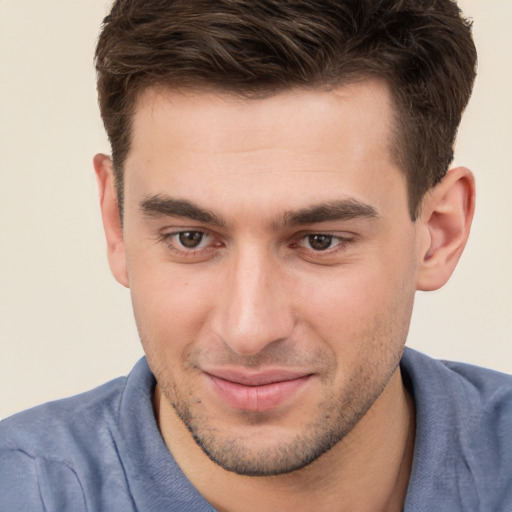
[(257, 398)]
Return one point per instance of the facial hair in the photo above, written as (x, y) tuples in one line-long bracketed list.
[(331, 419)]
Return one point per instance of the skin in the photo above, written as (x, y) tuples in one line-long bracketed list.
[(306, 266)]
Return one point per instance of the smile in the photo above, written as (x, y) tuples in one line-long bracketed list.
[(259, 392)]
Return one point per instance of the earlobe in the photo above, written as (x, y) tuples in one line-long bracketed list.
[(446, 214), (111, 218)]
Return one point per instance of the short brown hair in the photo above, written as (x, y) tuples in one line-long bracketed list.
[(422, 48)]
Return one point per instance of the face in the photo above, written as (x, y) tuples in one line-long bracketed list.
[(272, 265)]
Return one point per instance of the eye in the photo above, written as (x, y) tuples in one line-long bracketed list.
[(187, 242), (191, 239), (191, 245), (320, 242)]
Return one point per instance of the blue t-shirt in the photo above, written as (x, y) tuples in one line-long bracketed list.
[(102, 450)]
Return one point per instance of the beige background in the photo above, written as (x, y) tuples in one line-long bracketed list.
[(66, 326)]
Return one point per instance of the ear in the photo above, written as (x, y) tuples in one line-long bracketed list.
[(446, 216), (111, 217)]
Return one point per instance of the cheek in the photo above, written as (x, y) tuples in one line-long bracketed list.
[(355, 308), (170, 308)]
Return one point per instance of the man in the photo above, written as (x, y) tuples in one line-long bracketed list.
[(278, 190)]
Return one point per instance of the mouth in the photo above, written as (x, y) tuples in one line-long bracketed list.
[(256, 392)]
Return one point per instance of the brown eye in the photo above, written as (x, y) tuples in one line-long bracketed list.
[(320, 242), (191, 239)]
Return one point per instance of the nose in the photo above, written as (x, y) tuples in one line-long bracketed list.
[(254, 308)]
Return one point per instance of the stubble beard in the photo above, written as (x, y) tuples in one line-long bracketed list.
[(332, 420)]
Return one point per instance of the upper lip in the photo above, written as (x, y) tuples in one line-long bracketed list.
[(261, 378)]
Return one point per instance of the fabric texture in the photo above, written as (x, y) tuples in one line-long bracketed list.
[(102, 450)]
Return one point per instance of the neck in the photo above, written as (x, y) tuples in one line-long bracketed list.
[(368, 470)]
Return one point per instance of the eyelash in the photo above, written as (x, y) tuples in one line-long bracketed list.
[(333, 238), (178, 250), (168, 240)]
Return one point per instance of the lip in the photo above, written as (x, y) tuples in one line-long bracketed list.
[(256, 392)]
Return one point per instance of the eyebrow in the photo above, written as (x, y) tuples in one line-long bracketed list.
[(157, 206), (344, 209)]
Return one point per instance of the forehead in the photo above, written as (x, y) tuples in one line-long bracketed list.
[(365, 104), (297, 142)]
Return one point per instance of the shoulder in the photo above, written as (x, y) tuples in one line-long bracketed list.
[(469, 386), (46, 450), (74, 454), (49, 428), (463, 446), (29, 482), (472, 402)]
